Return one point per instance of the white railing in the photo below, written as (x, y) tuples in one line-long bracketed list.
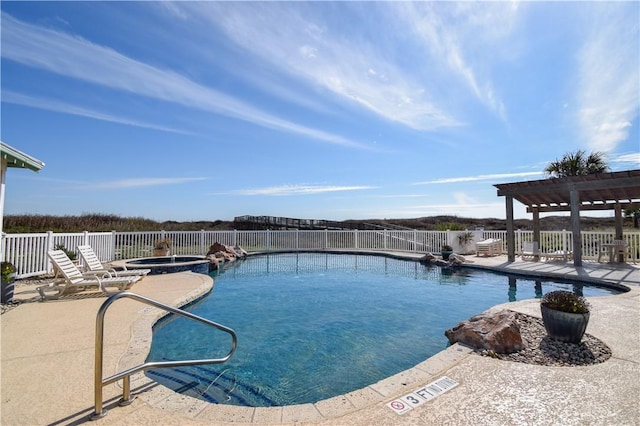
[(28, 252)]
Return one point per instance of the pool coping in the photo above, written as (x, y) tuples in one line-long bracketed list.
[(126, 263), (386, 389)]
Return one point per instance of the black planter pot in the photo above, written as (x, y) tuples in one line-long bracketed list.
[(8, 287), (445, 254), (564, 326)]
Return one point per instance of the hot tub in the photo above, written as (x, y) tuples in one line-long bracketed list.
[(170, 264)]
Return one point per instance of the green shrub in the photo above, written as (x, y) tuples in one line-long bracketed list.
[(565, 301), (6, 270), (72, 255)]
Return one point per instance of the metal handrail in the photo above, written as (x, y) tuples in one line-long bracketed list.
[(99, 382)]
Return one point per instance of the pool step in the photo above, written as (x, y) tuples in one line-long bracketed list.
[(211, 385)]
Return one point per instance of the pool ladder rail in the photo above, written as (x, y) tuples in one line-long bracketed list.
[(100, 383)]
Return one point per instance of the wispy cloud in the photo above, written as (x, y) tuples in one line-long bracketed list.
[(115, 184), (41, 103), (632, 159), (608, 91), (285, 190), (80, 59), (321, 55), (496, 176), (143, 182), (453, 34)]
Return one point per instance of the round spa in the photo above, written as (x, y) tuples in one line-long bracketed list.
[(170, 264)]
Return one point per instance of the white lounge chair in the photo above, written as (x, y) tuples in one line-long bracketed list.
[(93, 264), (564, 255), (530, 251), (73, 279), (489, 247)]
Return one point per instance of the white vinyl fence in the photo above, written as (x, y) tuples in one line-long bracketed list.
[(28, 252)]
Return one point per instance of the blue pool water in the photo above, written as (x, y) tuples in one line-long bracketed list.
[(312, 326)]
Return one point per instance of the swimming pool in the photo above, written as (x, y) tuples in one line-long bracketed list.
[(312, 325)]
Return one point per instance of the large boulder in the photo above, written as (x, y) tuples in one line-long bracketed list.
[(219, 253), (218, 247), (498, 332)]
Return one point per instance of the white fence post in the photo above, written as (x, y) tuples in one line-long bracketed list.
[(112, 249), (49, 247), (415, 240), (268, 239), (50, 244)]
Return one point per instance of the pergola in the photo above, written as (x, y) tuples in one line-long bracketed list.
[(603, 191), (11, 157)]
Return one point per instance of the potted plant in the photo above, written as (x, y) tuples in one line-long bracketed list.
[(565, 315), (446, 251), (162, 247), (8, 272), (464, 239)]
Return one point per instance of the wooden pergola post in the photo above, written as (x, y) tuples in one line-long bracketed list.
[(536, 229), (575, 226), (511, 235), (619, 220)]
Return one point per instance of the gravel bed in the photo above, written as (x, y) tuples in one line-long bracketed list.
[(540, 349)]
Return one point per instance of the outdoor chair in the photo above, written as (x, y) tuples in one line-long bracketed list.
[(632, 253), (615, 248), (557, 255), (74, 280), (489, 247), (530, 251), (93, 264)]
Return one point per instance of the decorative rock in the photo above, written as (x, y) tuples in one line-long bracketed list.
[(218, 247), (240, 252), (453, 261), (498, 333), (219, 253), (428, 258), (457, 258)]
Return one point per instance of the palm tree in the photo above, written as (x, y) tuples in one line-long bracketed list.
[(635, 215), (576, 164)]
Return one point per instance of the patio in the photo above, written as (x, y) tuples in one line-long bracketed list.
[(47, 379)]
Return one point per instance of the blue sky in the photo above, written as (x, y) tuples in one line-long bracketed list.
[(328, 110)]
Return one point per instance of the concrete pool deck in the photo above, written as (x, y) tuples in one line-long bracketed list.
[(47, 356)]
